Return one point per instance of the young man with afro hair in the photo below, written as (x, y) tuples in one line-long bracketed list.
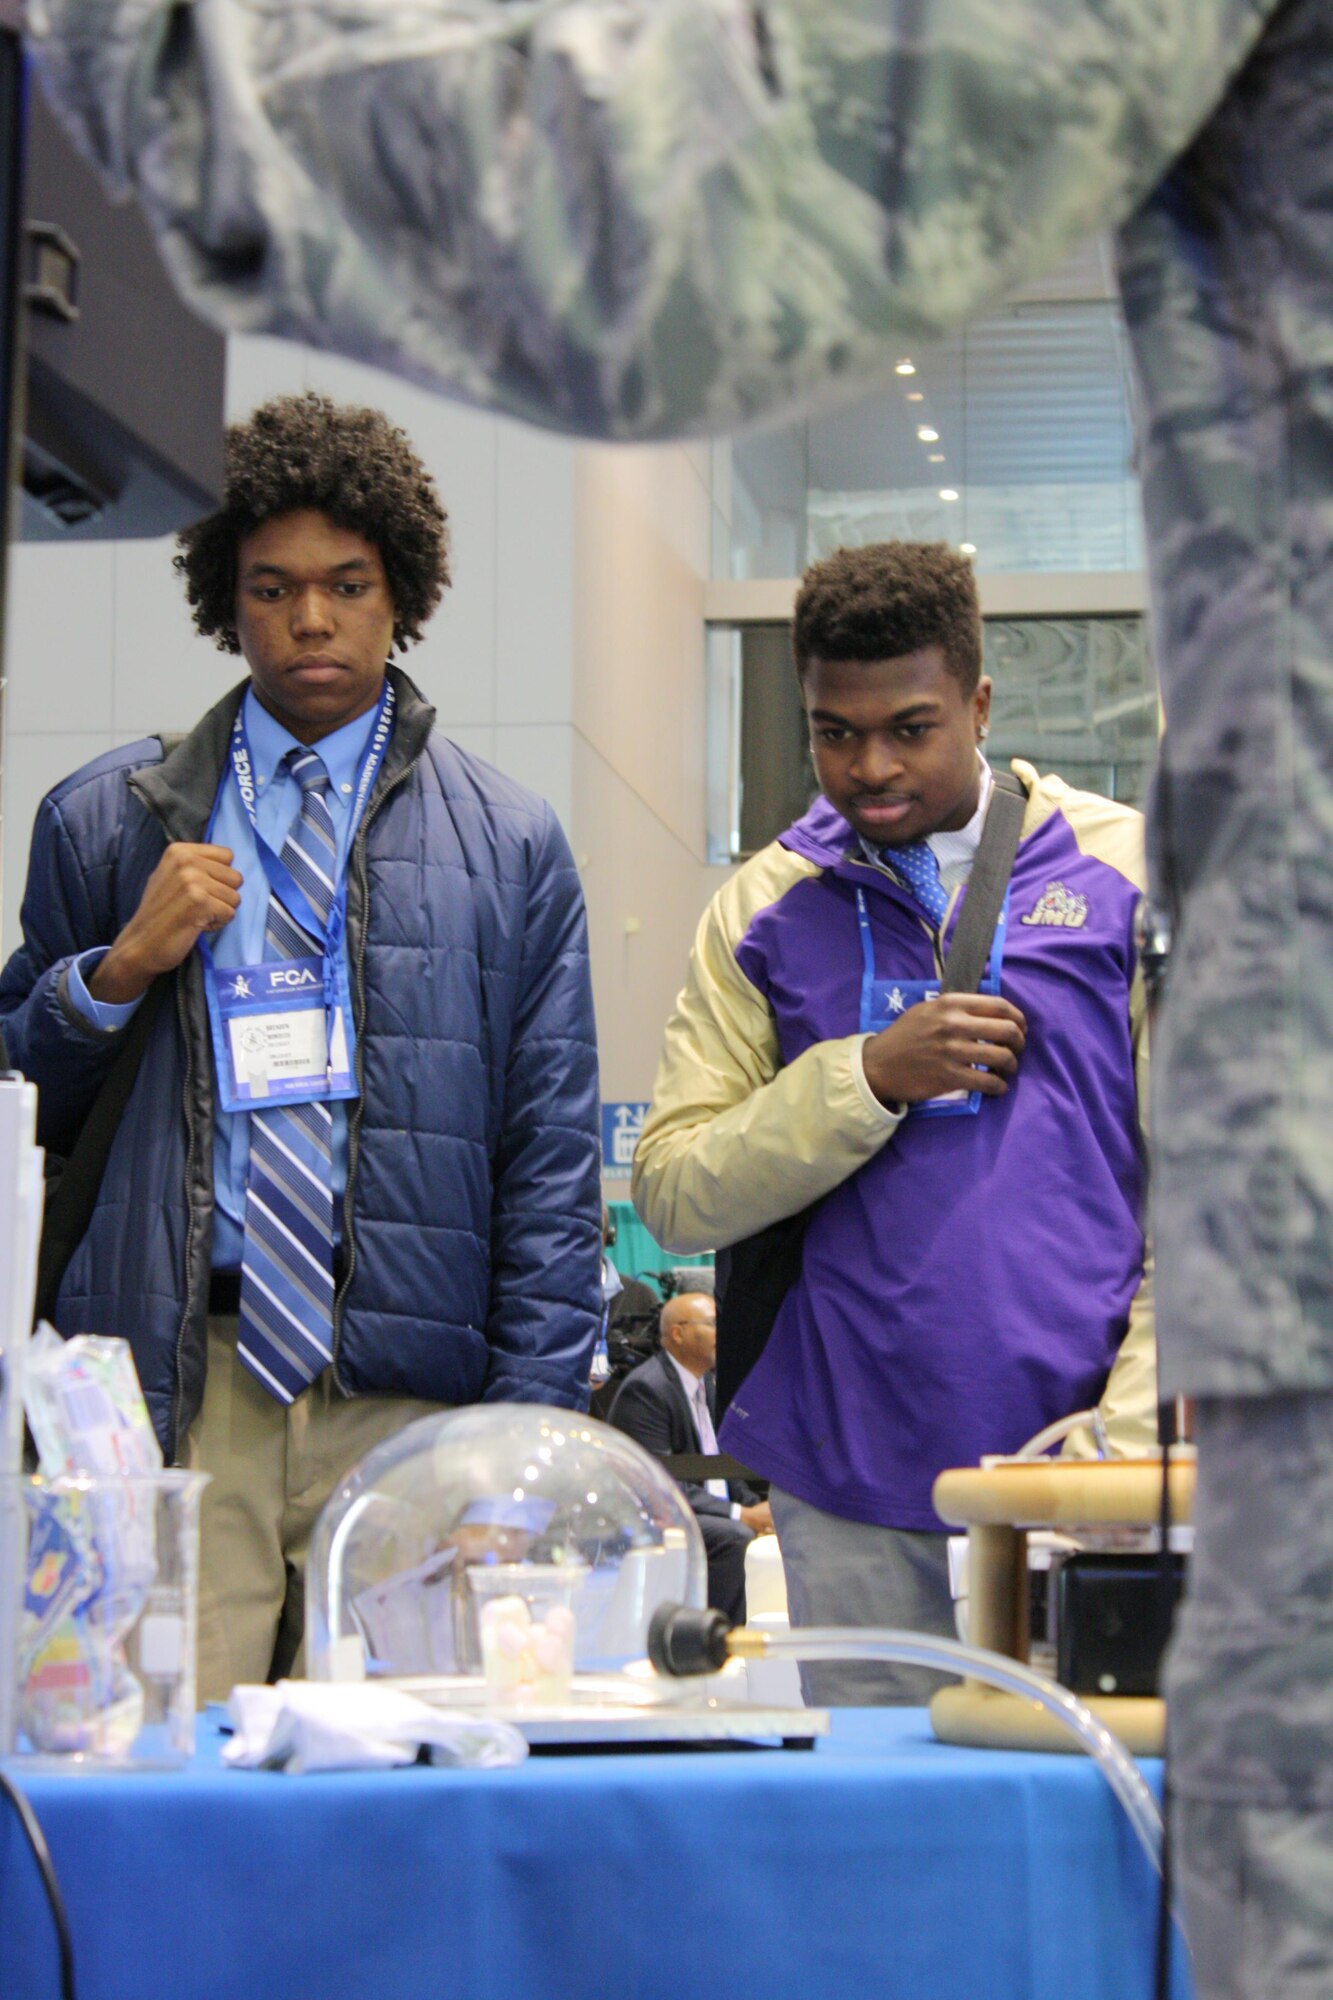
[(357, 1178), (973, 1263)]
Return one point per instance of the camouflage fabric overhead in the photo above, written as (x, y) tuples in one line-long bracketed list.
[(630, 218)]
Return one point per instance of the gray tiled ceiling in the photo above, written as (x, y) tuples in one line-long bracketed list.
[(1033, 394)]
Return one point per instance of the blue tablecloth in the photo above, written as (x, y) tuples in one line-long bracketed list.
[(882, 1864)]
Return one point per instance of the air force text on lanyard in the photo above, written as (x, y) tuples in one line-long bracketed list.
[(282, 1029), (884, 1001)]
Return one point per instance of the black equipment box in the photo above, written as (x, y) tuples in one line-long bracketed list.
[(1111, 1621)]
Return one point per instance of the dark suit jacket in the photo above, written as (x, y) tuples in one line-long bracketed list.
[(653, 1409)]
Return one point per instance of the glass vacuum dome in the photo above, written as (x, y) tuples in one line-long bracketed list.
[(505, 1539)]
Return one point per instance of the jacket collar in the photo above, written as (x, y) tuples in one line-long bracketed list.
[(677, 1389), (823, 836), (181, 789)]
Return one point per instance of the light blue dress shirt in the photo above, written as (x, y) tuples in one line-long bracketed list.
[(277, 806)]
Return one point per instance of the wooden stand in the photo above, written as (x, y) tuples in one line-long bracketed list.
[(998, 1505)]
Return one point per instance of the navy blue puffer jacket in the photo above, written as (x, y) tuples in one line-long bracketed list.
[(471, 1230)]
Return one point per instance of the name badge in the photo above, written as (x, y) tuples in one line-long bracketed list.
[(279, 1034), (885, 1002)]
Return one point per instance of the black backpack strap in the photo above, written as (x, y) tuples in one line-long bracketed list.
[(986, 886), (753, 1277), (70, 1205), (69, 1209)]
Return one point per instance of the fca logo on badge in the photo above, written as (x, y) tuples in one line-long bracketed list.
[(242, 989)]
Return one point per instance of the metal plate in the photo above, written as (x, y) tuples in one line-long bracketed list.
[(623, 1708)]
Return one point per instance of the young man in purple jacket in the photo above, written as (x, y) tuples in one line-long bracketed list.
[(974, 1266)]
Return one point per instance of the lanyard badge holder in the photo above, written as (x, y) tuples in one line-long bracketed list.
[(282, 1029), (884, 1001)]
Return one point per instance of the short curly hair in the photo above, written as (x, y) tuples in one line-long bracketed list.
[(888, 599), (351, 464)]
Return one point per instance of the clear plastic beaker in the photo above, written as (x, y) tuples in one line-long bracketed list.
[(107, 1623), (526, 1629)]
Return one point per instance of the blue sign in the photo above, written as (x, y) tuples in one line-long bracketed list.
[(621, 1125)]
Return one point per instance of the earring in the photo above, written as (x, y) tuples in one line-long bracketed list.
[(984, 731)]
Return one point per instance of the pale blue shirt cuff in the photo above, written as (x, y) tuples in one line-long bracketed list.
[(103, 1014)]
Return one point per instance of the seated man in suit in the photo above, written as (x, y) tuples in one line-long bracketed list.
[(666, 1405)]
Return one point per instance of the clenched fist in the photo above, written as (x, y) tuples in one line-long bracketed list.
[(193, 888), (961, 1041)]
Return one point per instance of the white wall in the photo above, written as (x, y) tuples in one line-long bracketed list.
[(645, 526), (569, 652)]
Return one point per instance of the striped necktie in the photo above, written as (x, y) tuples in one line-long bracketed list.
[(916, 865), (286, 1330)]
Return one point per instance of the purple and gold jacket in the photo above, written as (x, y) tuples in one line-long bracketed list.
[(965, 1280)]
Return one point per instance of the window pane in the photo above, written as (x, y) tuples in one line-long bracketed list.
[(1074, 696), (1023, 418)]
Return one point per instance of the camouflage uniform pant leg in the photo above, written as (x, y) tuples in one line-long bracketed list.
[(1250, 1701), (1257, 1887), (1227, 281)]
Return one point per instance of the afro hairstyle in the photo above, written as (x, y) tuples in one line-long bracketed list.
[(349, 463)]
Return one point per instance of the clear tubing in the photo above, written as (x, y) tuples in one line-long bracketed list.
[(920, 1649), (1038, 1446)]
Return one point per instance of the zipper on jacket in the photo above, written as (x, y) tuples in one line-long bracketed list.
[(358, 1001), (183, 1018), (936, 936)]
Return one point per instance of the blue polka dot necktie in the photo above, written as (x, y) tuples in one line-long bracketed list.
[(286, 1330), (917, 868)]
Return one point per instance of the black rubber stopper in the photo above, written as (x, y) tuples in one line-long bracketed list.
[(684, 1641)]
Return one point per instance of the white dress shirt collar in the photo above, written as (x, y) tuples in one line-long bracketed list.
[(341, 750), (690, 1382)]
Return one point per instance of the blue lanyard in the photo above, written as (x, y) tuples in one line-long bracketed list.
[(867, 958), (280, 879), (868, 974)]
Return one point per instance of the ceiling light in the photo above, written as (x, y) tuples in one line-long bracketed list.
[(936, 457), (926, 434), (968, 548), (905, 368), (915, 396), (947, 493)]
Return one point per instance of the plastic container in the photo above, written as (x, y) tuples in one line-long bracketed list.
[(526, 1626), (107, 1627), (493, 1501)]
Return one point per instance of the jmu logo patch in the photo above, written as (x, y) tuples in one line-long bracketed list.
[(1059, 907)]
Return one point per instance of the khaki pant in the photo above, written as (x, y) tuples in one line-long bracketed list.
[(271, 1468)]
